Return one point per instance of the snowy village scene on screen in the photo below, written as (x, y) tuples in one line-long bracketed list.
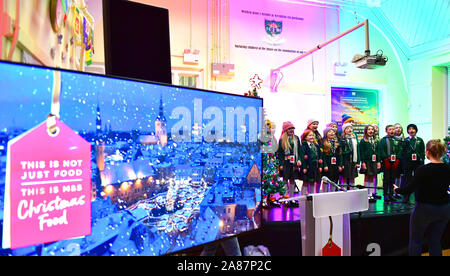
[(171, 167)]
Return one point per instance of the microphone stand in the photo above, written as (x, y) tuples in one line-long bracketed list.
[(327, 180), (365, 187)]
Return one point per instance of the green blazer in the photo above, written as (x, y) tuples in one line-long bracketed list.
[(282, 153), (417, 146), (396, 147), (347, 149), (337, 154), (312, 156), (367, 150)]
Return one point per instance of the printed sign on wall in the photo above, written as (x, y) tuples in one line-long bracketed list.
[(354, 105), (48, 187), (267, 34)]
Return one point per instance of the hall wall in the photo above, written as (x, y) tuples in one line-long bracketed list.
[(217, 27)]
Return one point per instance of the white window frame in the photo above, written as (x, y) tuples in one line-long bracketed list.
[(178, 72)]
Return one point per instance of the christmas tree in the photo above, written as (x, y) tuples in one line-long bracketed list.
[(446, 157), (271, 183)]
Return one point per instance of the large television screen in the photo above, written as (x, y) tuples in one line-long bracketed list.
[(171, 168)]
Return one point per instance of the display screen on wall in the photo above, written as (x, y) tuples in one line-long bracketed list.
[(358, 106), (171, 167), (148, 56)]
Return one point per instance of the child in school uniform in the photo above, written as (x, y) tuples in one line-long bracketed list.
[(332, 158), (376, 132), (350, 155), (370, 160), (313, 125), (312, 165), (376, 136), (400, 181), (414, 156), (290, 156), (334, 126), (390, 156)]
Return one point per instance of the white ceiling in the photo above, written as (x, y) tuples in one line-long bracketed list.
[(418, 27)]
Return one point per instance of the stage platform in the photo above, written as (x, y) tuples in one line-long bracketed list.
[(379, 208), (381, 230)]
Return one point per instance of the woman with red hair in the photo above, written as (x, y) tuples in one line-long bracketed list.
[(312, 166)]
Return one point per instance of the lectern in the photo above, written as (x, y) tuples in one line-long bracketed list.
[(325, 220)]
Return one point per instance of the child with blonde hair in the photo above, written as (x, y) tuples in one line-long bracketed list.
[(290, 156), (350, 155)]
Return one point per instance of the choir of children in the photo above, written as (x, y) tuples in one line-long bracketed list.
[(341, 158)]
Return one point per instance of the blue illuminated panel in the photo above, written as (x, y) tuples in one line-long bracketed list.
[(172, 167)]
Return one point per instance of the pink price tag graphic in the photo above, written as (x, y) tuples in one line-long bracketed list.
[(47, 188)]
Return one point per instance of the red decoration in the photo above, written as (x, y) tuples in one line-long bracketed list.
[(331, 249), (256, 82)]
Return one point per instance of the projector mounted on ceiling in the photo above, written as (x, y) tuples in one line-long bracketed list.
[(370, 62), (362, 61)]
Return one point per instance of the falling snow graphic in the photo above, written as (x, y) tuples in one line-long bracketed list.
[(159, 185)]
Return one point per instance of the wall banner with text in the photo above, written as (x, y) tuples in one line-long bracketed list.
[(358, 106)]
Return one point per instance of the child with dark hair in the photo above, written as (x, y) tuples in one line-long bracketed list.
[(414, 156), (390, 154), (350, 155)]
